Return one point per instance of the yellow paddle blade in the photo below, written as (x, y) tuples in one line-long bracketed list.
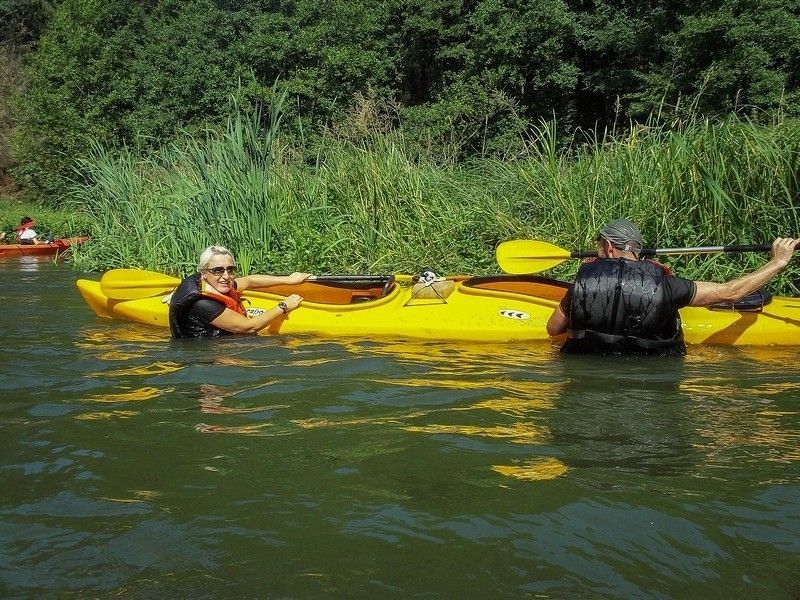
[(519, 257), (130, 284)]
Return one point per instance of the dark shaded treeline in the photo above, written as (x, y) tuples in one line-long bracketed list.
[(462, 78)]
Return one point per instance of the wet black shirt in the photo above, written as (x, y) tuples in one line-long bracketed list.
[(204, 311), (190, 314), (626, 306)]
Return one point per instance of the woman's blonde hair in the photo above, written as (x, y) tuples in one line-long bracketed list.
[(209, 253)]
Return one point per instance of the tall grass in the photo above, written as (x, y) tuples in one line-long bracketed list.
[(365, 205), (711, 183)]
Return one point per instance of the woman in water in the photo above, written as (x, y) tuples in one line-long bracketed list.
[(207, 303)]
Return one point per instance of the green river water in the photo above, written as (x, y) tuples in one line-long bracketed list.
[(136, 466)]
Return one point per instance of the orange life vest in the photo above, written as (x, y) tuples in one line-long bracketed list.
[(232, 299)]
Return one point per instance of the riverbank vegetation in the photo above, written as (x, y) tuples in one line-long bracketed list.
[(364, 201)]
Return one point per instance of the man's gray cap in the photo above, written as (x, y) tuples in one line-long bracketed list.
[(623, 235)]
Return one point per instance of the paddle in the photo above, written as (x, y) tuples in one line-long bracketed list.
[(519, 257), (132, 284)]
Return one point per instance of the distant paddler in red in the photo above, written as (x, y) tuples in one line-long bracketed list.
[(207, 304), (26, 234)]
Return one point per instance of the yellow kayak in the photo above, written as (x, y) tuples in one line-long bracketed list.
[(501, 308)]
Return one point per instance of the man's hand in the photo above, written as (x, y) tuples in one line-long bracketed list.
[(782, 250)]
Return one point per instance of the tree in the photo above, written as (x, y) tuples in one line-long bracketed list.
[(741, 56)]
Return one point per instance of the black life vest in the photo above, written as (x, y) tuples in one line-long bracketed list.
[(623, 306), (182, 324)]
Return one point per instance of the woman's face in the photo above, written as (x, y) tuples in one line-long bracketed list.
[(220, 273)]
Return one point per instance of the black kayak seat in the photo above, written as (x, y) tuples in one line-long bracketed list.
[(754, 302), (386, 283)]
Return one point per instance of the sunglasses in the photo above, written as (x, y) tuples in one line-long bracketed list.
[(218, 271)]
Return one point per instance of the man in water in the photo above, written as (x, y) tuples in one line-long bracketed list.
[(622, 305)]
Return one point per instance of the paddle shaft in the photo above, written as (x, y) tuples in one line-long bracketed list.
[(346, 278), (690, 250), (167, 279), (133, 284)]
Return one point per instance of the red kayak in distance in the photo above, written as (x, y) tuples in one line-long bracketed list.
[(54, 247)]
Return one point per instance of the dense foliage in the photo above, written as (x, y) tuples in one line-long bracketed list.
[(463, 78)]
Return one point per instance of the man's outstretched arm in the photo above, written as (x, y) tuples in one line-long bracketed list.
[(708, 293)]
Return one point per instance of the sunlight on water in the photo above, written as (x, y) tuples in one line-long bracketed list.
[(239, 430), (534, 470), (519, 407), (160, 368), (396, 419), (120, 356), (120, 332), (135, 395), (107, 414), (518, 433)]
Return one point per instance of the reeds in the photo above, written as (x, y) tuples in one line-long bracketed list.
[(368, 206)]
